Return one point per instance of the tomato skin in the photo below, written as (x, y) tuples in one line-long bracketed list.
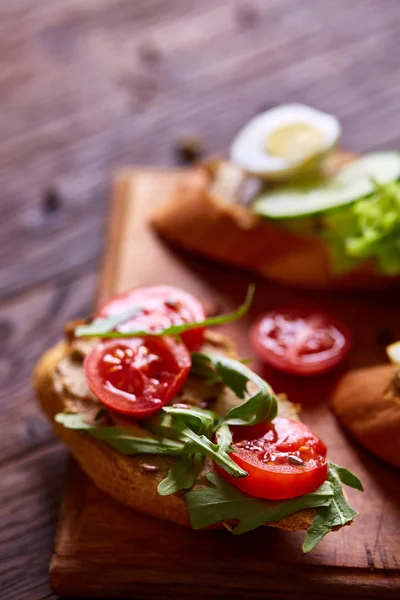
[(161, 306), (137, 376), (300, 341), (263, 450)]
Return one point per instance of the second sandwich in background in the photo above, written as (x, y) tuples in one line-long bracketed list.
[(290, 206)]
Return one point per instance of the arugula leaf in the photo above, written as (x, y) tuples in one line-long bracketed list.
[(262, 406), (201, 421), (224, 502), (347, 477), (258, 408), (202, 367), (185, 441), (102, 325), (182, 475), (121, 440), (200, 443), (336, 514), (104, 328), (126, 444), (196, 426), (225, 438), (191, 426)]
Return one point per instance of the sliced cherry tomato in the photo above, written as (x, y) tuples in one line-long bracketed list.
[(159, 307), (283, 459), (137, 376), (299, 341)]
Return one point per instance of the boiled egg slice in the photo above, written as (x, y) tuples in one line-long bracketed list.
[(285, 141)]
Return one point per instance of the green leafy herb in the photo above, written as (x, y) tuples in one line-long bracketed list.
[(225, 438), (201, 421), (127, 444), (195, 427), (262, 406), (223, 502), (369, 228), (217, 453), (104, 327), (121, 440), (347, 477), (337, 513), (182, 475)]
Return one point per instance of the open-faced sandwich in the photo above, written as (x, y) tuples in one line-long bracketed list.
[(163, 416), (291, 207)]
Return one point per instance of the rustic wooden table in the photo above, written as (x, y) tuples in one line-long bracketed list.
[(88, 86)]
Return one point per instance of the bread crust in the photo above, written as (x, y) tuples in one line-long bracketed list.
[(197, 220), (123, 477), (368, 405)]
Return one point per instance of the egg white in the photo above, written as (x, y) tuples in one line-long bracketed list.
[(249, 146)]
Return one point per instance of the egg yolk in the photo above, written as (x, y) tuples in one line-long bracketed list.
[(294, 141)]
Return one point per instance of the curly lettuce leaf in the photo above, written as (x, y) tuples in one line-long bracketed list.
[(368, 229)]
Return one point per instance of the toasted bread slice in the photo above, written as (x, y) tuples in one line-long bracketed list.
[(201, 219), (367, 402), (132, 480)]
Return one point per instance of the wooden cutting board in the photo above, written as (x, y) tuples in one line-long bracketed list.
[(107, 550)]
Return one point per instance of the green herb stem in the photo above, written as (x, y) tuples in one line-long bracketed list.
[(105, 327)]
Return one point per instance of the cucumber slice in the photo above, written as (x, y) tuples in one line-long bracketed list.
[(354, 181)]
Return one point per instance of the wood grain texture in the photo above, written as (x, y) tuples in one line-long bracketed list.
[(154, 559), (86, 87), (360, 561)]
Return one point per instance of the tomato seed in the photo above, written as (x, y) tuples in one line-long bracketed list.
[(241, 444), (295, 460), (149, 468), (109, 358), (174, 304)]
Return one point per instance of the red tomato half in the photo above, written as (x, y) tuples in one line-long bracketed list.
[(159, 307), (283, 459), (299, 341), (137, 376)]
